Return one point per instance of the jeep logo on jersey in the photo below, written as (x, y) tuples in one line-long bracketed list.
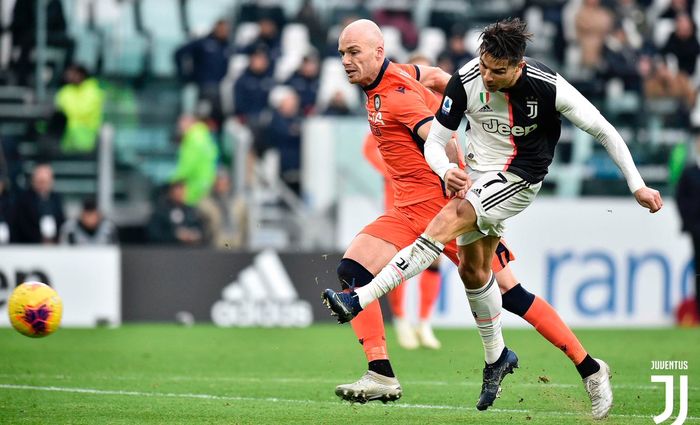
[(377, 102), (531, 108), (493, 126), (446, 105)]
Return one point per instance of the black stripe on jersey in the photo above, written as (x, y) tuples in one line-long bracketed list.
[(418, 125), (534, 73), (532, 69), (417, 72), (469, 73), (473, 77), (511, 190)]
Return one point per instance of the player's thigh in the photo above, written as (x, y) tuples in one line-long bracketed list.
[(371, 252), (455, 218), (476, 260), (496, 196)]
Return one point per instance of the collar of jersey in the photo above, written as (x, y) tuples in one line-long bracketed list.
[(377, 80), (518, 83)]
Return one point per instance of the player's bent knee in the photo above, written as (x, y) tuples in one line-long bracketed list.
[(473, 275), (352, 274)]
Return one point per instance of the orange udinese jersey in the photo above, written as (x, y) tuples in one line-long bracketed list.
[(374, 157), (397, 105)]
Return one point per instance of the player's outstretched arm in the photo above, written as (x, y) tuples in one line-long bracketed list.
[(574, 106), (433, 78)]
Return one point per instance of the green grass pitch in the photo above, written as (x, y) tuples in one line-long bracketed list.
[(164, 374)]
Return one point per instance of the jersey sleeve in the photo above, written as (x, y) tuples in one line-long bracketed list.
[(577, 109), (411, 109), (454, 104), (410, 69)]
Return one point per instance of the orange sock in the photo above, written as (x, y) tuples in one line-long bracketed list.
[(369, 328), (396, 297), (546, 320), (429, 292)]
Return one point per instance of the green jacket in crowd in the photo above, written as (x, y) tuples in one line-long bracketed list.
[(82, 104), (196, 164)]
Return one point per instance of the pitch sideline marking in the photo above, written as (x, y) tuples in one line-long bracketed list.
[(176, 378), (283, 400)]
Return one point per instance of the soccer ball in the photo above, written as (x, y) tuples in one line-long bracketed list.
[(35, 309)]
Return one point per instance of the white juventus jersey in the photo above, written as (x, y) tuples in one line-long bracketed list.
[(516, 129)]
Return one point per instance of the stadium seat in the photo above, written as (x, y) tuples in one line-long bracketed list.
[(662, 31), (286, 65), (236, 65), (87, 39), (5, 37), (295, 39), (201, 19), (245, 33), (333, 79), (392, 44), (161, 19), (125, 49), (431, 42)]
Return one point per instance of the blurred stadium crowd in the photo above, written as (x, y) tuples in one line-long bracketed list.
[(188, 114)]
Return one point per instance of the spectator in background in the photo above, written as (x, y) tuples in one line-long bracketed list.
[(81, 100), (456, 49), (593, 24), (23, 29), (620, 60), (305, 81), (269, 36), (398, 15), (40, 209), (308, 16), (224, 217), (688, 199), (196, 159), (283, 132), (90, 228), (252, 88), (173, 221), (204, 61), (660, 82), (678, 7), (338, 105), (683, 44)]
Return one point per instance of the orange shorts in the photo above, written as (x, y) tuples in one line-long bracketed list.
[(401, 226)]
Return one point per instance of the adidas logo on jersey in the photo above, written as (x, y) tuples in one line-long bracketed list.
[(477, 191), (485, 108)]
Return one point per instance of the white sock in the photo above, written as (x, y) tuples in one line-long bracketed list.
[(406, 263), (485, 303)]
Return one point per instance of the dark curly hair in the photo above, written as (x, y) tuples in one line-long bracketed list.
[(506, 39)]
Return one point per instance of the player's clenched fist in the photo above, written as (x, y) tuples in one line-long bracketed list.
[(649, 198), (457, 180)]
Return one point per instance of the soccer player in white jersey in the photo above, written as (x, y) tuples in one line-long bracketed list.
[(514, 106)]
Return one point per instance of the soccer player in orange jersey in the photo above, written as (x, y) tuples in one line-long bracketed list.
[(400, 110), (407, 336)]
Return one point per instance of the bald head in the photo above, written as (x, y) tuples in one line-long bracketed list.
[(361, 48), (364, 31)]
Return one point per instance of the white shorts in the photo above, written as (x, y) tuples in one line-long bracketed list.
[(496, 196)]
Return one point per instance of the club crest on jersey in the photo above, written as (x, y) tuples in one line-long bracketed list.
[(377, 102), (531, 108), (446, 105), (485, 97)]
